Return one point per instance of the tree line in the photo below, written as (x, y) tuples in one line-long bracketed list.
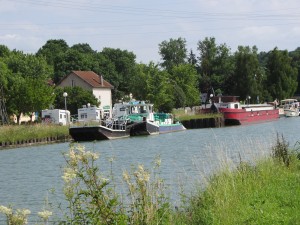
[(176, 81)]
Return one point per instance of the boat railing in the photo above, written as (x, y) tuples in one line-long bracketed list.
[(116, 123)]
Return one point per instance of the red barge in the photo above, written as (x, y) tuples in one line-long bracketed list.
[(236, 113)]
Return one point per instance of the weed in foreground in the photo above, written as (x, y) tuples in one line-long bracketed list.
[(280, 151)]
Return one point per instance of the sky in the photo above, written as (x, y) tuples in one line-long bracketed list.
[(139, 26)]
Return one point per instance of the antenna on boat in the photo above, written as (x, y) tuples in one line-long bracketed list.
[(3, 113)]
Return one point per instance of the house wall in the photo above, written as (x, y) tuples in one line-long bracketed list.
[(74, 81), (104, 96)]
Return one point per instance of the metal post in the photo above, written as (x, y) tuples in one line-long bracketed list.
[(65, 94)]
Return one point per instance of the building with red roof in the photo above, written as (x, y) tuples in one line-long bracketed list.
[(91, 81)]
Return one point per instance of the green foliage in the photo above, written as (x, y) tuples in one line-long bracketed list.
[(87, 191), (92, 200), (160, 90), (148, 201), (266, 193), (281, 75), (77, 97), (295, 55), (138, 85), (52, 49), (173, 53), (15, 217), (185, 76), (248, 74), (280, 151), (216, 66), (25, 77), (124, 70)]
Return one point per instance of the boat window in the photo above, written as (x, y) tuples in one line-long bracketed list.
[(143, 109), (83, 115), (236, 106)]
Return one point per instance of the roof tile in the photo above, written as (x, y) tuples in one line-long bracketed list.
[(93, 79)]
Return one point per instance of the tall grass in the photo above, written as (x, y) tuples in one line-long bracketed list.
[(265, 193), (181, 115), (12, 133)]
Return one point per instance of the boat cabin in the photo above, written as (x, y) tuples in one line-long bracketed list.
[(135, 110), (287, 103), (89, 113), (230, 102), (56, 116)]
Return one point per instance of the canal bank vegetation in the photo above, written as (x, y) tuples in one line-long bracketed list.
[(264, 192), (182, 115), (14, 133)]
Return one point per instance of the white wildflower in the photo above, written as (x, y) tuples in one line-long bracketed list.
[(157, 162), (104, 180), (69, 175), (23, 212), (5, 210), (141, 167), (92, 155), (45, 214), (146, 176), (126, 176)]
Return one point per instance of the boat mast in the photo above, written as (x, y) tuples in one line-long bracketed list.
[(3, 113)]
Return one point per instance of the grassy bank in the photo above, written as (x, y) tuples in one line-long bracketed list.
[(13, 133), (181, 115), (268, 193)]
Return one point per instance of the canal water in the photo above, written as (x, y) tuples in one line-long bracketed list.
[(31, 175)]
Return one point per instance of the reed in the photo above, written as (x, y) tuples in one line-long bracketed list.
[(13, 133)]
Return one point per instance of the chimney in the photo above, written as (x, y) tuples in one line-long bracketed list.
[(101, 80)]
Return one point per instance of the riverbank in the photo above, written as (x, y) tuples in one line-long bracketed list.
[(12, 136)]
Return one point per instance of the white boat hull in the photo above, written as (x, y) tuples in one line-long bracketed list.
[(291, 112)]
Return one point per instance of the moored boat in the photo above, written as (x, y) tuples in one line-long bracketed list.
[(236, 113), (90, 126), (99, 132), (290, 107), (144, 120)]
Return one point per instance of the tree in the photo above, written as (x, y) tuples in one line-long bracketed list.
[(248, 75), (52, 49), (138, 85), (83, 48), (160, 89), (295, 55), (121, 67), (216, 66), (173, 53), (77, 97), (4, 51), (185, 76), (281, 75), (192, 59), (71, 60), (28, 89)]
